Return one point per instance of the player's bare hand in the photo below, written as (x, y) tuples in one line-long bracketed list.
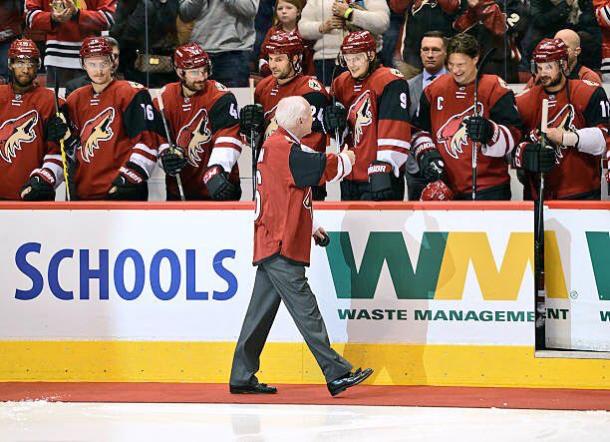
[(320, 237), (70, 7), (555, 135), (472, 3)]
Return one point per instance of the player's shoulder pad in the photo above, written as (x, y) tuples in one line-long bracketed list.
[(438, 86), (382, 76), (313, 83), (218, 86)]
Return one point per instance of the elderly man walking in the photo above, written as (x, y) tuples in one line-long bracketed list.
[(283, 228)]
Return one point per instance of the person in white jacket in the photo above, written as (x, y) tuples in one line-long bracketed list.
[(328, 21)]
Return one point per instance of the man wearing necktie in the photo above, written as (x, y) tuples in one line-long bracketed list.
[(433, 54)]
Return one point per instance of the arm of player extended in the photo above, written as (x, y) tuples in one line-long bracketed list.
[(314, 169), (52, 166), (316, 140), (592, 139), (506, 123), (224, 124), (393, 126), (142, 125)]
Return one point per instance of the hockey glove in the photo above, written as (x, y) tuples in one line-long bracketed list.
[(429, 160), (479, 129), (251, 119), (127, 186), (436, 191), (533, 158), (173, 160), (40, 186), (334, 119), (57, 128), (219, 186), (383, 182)]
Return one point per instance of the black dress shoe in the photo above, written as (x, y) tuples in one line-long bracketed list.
[(349, 380), (252, 389)]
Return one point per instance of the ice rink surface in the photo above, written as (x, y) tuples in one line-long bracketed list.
[(38, 421)]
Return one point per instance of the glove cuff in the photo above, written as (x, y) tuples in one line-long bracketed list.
[(133, 173), (518, 154), (45, 175), (211, 172), (379, 167), (421, 147)]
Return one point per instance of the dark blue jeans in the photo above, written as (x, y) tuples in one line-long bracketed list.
[(231, 68), (390, 38)]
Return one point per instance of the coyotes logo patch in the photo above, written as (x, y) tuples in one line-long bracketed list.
[(194, 136), (452, 134), (360, 115), (94, 131), (15, 132)]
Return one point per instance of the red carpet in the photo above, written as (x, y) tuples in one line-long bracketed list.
[(551, 399)]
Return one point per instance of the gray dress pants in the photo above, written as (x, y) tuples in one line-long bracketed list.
[(279, 280)]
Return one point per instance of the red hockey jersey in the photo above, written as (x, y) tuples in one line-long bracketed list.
[(115, 126), (23, 148), (64, 39), (206, 126), (578, 168), (284, 215), (268, 93), (378, 118), (440, 117)]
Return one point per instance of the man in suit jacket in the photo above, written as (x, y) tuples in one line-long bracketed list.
[(433, 54)]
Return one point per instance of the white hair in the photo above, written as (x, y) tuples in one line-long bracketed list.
[(290, 109)]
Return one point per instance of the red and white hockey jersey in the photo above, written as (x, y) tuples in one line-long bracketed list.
[(586, 112), (284, 215), (64, 39), (440, 118), (206, 126), (115, 126), (268, 93), (23, 147), (378, 118)]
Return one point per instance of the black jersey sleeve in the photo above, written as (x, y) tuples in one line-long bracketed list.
[(224, 113), (306, 168)]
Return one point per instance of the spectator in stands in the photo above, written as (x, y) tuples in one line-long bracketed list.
[(328, 21), (147, 35), (286, 17), (423, 16), (433, 55), (225, 30), (67, 23), (10, 28), (84, 79), (494, 24)]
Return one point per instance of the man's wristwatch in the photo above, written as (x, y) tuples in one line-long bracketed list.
[(348, 14)]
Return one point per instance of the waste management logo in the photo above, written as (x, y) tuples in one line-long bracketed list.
[(441, 270)]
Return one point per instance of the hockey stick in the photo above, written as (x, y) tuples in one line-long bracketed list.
[(169, 140), (476, 146), (540, 300), (253, 144), (62, 147)]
